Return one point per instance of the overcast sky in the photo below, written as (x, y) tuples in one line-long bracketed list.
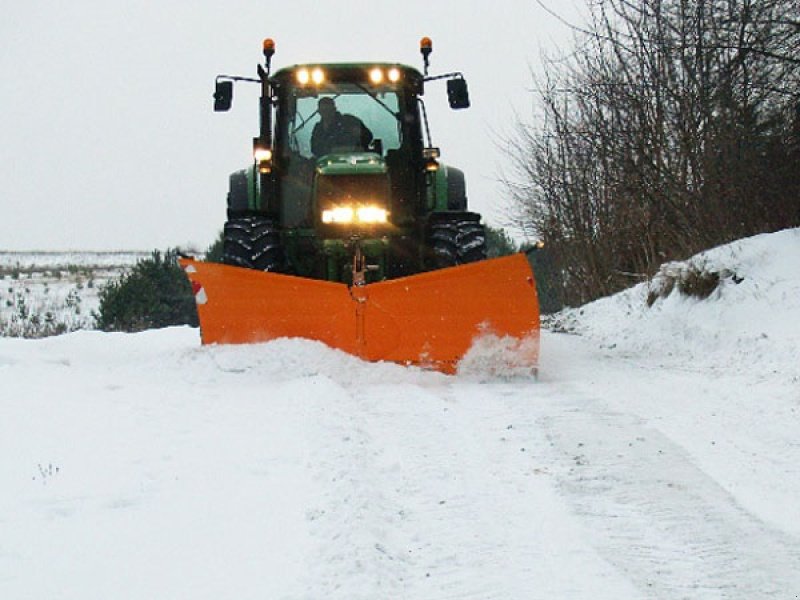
[(109, 140)]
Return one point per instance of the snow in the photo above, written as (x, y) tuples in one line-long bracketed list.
[(43, 293), (64, 260), (656, 456)]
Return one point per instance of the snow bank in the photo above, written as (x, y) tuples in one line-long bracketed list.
[(748, 324)]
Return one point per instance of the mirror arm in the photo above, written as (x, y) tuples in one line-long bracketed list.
[(237, 78), (456, 75), (425, 120)]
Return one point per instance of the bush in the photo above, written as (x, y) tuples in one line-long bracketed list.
[(549, 280), (215, 251), (155, 294), (499, 243)]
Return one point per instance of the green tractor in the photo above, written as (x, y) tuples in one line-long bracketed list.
[(344, 170), (348, 230)]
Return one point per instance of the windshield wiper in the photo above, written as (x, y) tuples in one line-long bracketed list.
[(374, 96), (311, 116)]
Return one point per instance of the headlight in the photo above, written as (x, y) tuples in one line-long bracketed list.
[(303, 76), (394, 75), (372, 214), (317, 76), (262, 154), (340, 214), (365, 215)]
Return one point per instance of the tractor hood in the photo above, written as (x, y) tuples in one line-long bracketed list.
[(359, 163), (352, 190)]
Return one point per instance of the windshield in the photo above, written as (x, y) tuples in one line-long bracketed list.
[(365, 118)]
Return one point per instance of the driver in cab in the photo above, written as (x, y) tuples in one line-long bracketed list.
[(338, 132)]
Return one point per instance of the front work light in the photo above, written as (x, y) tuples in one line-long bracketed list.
[(305, 76), (376, 75)]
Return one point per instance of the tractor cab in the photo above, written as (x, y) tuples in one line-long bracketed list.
[(348, 145)]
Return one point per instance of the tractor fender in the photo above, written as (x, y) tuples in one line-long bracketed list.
[(456, 189), (239, 191), (448, 189)]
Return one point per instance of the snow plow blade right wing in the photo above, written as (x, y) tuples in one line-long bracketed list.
[(431, 319), (434, 318)]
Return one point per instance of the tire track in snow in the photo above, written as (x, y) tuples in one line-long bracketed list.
[(440, 492), (432, 481), (657, 516), (357, 553)]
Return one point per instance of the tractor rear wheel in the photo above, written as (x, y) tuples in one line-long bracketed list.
[(444, 244), (253, 242)]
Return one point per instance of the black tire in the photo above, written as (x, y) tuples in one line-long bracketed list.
[(471, 242), (253, 242), (444, 244), (456, 240)]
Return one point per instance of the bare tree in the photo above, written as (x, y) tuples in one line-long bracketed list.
[(671, 128)]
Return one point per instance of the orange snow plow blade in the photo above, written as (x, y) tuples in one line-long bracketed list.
[(431, 319)]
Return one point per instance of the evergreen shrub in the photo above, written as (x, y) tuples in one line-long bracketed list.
[(154, 294)]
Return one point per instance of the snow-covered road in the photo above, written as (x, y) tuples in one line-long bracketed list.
[(147, 466), (142, 466)]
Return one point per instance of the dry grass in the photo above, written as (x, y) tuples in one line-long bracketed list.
[(694, 280)]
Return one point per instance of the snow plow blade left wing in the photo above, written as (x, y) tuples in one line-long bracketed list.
[(430, 319)]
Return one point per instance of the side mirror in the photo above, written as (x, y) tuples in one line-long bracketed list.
[(457, 93), (223, 96)]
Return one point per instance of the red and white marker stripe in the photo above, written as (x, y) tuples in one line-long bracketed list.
[(200, 296)]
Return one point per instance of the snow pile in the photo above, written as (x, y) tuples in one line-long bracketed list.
[(493, 357), (285, 360), (748, 323)]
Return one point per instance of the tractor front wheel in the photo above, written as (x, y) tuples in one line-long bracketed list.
[(456, 240), (253, 242)]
